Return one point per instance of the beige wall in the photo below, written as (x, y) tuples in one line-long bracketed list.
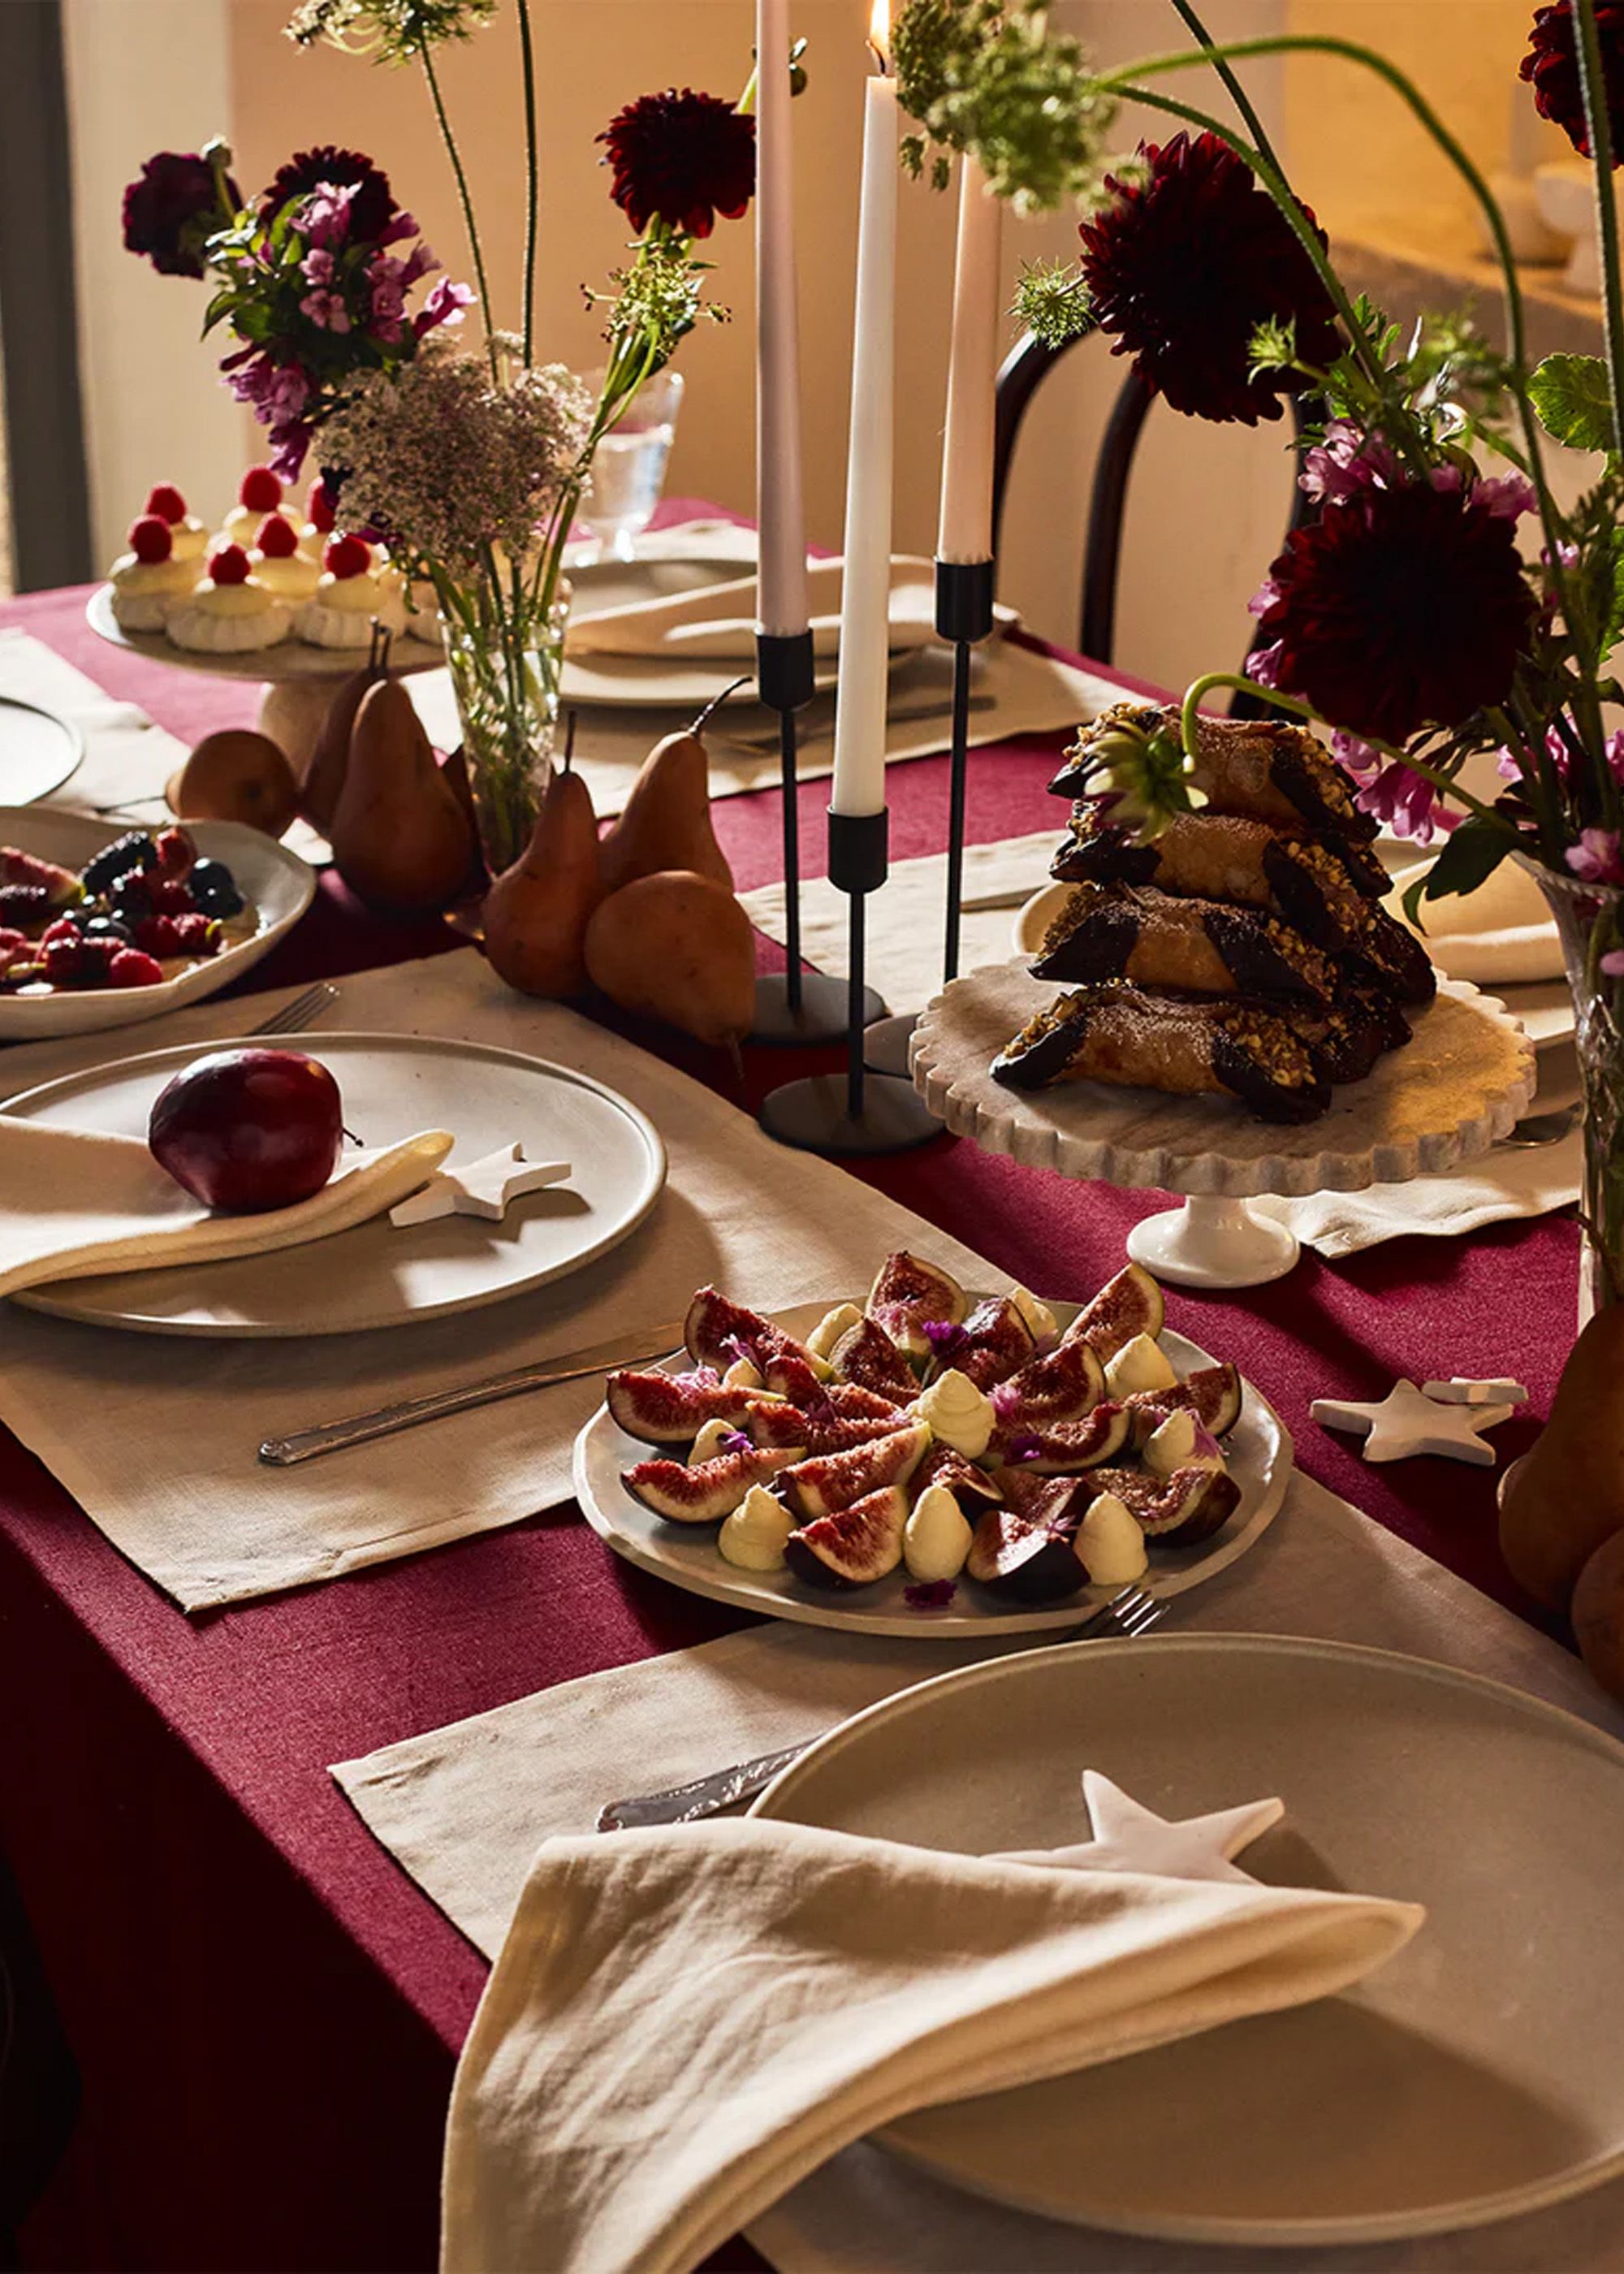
[(1209, 504)]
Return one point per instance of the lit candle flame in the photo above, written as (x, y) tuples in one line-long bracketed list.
[(879, 33)]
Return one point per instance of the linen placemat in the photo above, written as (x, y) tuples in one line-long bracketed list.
[(156, 1437), (127, 759), (905, 917)]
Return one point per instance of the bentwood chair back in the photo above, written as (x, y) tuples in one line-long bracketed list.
[(1024, 368)]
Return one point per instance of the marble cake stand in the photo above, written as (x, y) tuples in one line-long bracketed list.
[(1455, 1089)]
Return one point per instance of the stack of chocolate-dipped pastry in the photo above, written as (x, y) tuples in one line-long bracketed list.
[(1241, 951)]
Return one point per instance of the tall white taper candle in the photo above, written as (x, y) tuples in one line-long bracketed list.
[(964, 530), (781, 577), (865, 602)]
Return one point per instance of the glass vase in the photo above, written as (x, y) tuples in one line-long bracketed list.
[(506, 678), (1589, 922)]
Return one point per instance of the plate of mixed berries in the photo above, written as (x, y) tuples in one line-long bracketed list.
[(102, 927), (928, 1460)]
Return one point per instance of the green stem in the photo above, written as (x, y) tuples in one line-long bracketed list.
[(1238, 95), (1189, 712), (463, 193), (532, 183), (1594, 87)]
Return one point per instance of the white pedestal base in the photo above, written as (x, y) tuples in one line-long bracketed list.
[(1213, 1243)]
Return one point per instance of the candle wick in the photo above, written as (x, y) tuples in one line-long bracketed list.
[(880, 64)]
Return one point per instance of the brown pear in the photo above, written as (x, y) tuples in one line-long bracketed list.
[(667, 821), (236, 775), (400, 839), (1598, 1615), (535, 913), (324, 778), (677, 946), (1567, 1496)]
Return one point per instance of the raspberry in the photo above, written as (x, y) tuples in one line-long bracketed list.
[(64, 959), (229, 565), (175, 851), (198, 934), (166, 501), (171, 896), (157, 936), (11, 940), (277, 540), (130, 967), (57, 934), (260, 491), (347, 556), (318, 506), (96, 960), (150, 539)]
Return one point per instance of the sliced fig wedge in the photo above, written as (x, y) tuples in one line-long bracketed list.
[(908, 1292), (855, 1546), (997, 1340), (1130, 1304), (709, 1490), (823, 1429), (970, 1486), (1212, 1393), (671, 1409), (1032, 1557), (1176, 1511), (1065, 1447), (717, 1331), (1063, 1385), (868, 1356), (828, 1481)]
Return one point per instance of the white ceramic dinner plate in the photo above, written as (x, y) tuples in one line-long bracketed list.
[(290, 658), (38, 750), (276, 882), (377, 1276), (1257, 1449), (1475, 2077)]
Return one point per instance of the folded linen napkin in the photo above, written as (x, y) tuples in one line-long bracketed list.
[(1500, 935), (1509, 1182), (682, 2025), (718, 622), (79, 1203)]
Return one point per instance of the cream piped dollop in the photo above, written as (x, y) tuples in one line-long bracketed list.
[(1040, 1322), (1182, 1441), (959, 1414), (937, 1538), (1110, 1544), (752, 1536), (708, 1445), (822, 1340), (1140, 1364)]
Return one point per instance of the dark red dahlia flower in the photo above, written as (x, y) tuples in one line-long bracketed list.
[(684, 158), (372, 208), (1186, 264), (172, 207), (1552, 67), (1398, 609)]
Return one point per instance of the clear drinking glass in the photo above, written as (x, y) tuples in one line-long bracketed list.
[(628, 467)]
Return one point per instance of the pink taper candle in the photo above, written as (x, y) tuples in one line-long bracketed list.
[(964, 530), (781, 575)]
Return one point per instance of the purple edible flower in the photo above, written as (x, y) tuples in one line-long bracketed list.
[(930, 1594), (945, 1339), (1024, 1446), (736, 1441), (1005, 1400)]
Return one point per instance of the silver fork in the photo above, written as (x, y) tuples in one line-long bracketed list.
[(303, 1011), (1131, 1613)]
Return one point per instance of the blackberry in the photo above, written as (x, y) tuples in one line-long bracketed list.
[(133, 850), (109, 928), (27, 906), (130, 899), (213, 889)]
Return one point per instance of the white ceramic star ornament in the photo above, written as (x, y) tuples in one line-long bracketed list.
[(1466, 1390), (486, 1187), (1405, 1422), (1130, 1838)]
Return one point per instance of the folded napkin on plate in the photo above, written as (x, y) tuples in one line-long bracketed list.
[(682, 2024), (78, 1204), (718, 622), (1501, 935), (1508, 1182)]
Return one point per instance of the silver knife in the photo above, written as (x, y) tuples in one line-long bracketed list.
[(720, 1788), (383, 1420)]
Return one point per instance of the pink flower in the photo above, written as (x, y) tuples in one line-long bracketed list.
[(325, 219), (1408, 803), (1596, 858), (444, 305), (325, 309), (1505, 494), (318, 266), (1347, 462), (1612, 963)]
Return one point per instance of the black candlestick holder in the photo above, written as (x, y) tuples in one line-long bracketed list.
[(794, 1006), (963, 617), (862, 1113)]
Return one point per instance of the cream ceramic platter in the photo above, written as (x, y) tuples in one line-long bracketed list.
[(378, 1276), (1474, 2077), (1257, 1448), (276, 882), (39, 750)]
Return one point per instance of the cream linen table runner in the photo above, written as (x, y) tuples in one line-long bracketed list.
[(156, 1438), (682, 2024)]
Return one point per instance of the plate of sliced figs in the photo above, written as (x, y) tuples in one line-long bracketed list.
[(928, 1459)]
